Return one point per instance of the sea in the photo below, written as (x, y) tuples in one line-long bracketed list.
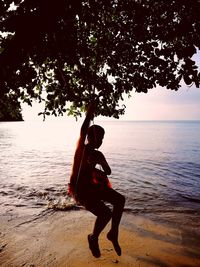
[(155, 165)]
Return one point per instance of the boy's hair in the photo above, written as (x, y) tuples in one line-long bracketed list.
[(94, 131)]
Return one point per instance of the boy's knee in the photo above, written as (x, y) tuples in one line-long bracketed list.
[(122, 200), (107, 214)]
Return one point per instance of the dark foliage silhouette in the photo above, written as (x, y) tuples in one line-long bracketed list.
[(75, 51)]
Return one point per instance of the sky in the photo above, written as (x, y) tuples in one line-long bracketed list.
[(157, 104), (163, 104)]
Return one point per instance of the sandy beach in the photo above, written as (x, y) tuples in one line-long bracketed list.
[(59, 239)]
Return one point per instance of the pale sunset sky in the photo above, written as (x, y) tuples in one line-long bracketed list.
[(157, 104)]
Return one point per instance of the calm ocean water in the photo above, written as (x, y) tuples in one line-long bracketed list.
[(155, 164)]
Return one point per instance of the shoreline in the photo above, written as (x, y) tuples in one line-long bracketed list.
[(59, 239)]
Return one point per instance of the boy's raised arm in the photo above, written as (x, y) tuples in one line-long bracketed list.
[(86, 123)]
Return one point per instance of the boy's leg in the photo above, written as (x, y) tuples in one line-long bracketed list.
[(118, 202), (103, 213)]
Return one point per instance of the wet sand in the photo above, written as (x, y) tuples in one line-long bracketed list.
[(59, 239)]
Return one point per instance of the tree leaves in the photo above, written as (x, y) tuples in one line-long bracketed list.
[(77, 51), (10, 109)]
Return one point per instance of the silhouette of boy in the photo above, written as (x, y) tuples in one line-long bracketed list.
[(89, 192)]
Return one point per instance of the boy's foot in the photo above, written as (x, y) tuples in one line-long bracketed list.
[(115, 243), (94, 246)]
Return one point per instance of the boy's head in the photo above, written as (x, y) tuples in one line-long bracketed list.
[(95, 135)]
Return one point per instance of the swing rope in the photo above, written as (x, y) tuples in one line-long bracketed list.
[(91, 89), (83, 153)]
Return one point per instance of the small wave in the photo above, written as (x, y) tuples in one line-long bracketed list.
[(36, 193), (20, 205), (147, 182), (3, 193), (63, 204), (189, 198), (51, 189)]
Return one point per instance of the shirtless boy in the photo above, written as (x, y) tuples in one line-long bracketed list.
[(89, 192)]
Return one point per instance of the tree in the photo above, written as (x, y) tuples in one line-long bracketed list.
[(10, 109), (77, 51)]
